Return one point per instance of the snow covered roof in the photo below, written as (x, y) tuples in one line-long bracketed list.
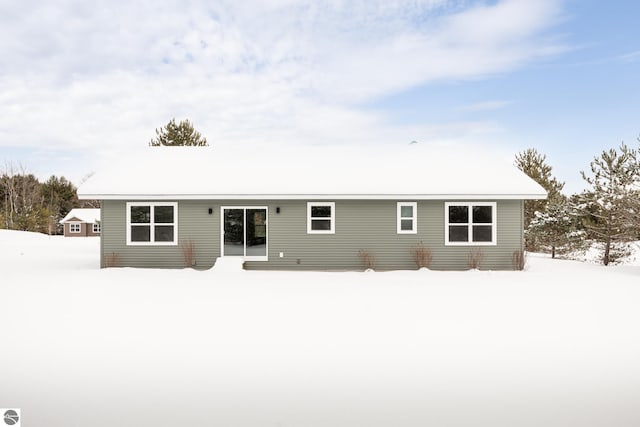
[(319, 172), (90, 216)]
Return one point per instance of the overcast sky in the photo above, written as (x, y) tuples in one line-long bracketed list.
[(80, 79)]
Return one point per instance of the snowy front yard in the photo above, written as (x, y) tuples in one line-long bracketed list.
[(556, 345)]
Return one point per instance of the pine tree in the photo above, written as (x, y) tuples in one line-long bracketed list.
[(173, 134), (534, 164), (610, 201), (60, 196), (557, 229), (632, 203)]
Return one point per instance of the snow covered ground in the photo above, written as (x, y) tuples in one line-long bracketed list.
[(628, 253), (555, 345)]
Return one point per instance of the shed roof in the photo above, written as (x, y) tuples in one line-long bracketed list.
[(320, 172), (88, 215)]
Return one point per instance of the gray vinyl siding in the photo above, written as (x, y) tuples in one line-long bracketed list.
[(194, 223), (368, 225)]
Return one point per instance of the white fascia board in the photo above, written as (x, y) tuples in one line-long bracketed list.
[(313, 196)]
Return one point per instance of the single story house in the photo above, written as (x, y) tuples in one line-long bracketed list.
[(320, 208), (81, 223)]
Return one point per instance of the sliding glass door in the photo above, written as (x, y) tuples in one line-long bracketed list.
[(244, 232)]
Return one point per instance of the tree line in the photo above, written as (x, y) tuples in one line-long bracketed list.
[(607, 211), (30, 205)]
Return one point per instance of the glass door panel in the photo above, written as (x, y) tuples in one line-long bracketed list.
[(256, 232), (233, 232)]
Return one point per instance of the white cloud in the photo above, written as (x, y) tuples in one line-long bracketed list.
[(630, 57), (90, 76)]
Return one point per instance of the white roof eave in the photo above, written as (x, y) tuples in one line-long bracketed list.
[(538, 196)]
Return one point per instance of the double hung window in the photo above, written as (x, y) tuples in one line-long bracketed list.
[(152, 223), (407, 217), (321, 217), (469, 223)]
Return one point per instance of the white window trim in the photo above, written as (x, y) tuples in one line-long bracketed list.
[(152, 224), (71, 227), (96, 225), (414, 218), (332, 218), (470, 205)]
